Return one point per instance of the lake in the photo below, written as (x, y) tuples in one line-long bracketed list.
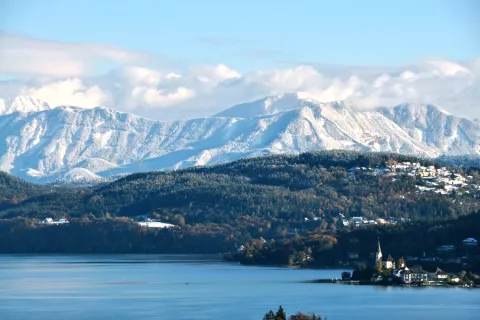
[(201, 287)]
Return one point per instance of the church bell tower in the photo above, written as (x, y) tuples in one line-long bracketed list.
[(378, 256)]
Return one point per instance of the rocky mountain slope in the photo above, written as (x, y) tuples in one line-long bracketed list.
[(88, 144)]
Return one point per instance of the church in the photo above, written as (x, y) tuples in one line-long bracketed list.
[(398, 270), (388, 264)]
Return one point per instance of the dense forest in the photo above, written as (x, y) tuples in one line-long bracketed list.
[(272, 199), (413, 239), (283, 187)]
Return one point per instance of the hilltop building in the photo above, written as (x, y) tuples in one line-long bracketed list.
[(470, 242)]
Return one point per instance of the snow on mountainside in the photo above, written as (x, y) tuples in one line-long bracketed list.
[(436, 128), (91, 144), (25, 104), (270, 105)]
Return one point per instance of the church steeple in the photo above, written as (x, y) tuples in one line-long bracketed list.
[(378, 257)]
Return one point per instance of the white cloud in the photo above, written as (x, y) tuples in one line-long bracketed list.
[(69, 92), (151, 97), (446, 68), (214, 74), (33, 57), (61, 77)]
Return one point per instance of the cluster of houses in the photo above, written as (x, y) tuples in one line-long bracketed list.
[(438, 180), (398, 272), (362, 221), (431, 179)]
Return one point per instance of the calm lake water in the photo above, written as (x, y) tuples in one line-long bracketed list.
[(198, 287)]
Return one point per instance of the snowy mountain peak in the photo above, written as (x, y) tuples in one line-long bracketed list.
[(418, 109), (409, 112), (25, 104), (435, 128), (276, 104)]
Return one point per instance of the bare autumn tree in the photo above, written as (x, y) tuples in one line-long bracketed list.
[(303, 316)]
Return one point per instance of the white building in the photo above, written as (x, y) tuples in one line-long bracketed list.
[(51, 221), (389, 263), (470, 242), (155, 224), (407, 276), (357, 220), (442, 276)]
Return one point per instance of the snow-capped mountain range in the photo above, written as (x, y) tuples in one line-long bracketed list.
[(44, 144)]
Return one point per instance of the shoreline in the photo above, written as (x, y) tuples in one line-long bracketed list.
[(369, 283)]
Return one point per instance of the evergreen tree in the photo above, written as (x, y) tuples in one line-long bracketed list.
[(280, 315), (269, 315)]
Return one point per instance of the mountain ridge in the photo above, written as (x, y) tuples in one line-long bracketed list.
[(46, 145)]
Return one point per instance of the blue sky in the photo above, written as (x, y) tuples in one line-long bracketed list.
[(177, 59), (248, 35)]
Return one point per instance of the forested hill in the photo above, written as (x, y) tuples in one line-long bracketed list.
[(285, 189), (14, 190)]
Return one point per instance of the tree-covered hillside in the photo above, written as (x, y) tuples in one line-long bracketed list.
[(296, 200), (284, 188)]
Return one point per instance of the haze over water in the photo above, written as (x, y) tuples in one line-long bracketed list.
[(202, 287)]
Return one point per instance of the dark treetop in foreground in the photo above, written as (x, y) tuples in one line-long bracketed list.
[(281, 315)]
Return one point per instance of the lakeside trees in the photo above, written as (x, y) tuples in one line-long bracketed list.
[(281, 315)]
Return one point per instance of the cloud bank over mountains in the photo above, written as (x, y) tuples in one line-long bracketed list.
[(89, 75)]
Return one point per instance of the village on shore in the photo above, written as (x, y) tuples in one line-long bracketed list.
[(396, 272)]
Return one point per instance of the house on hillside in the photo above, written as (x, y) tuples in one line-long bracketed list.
[(381, 221), (55, 222), (470, 242), (357, 221), (441, 276)]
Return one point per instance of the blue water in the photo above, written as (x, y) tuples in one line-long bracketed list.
[(198, 287)]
